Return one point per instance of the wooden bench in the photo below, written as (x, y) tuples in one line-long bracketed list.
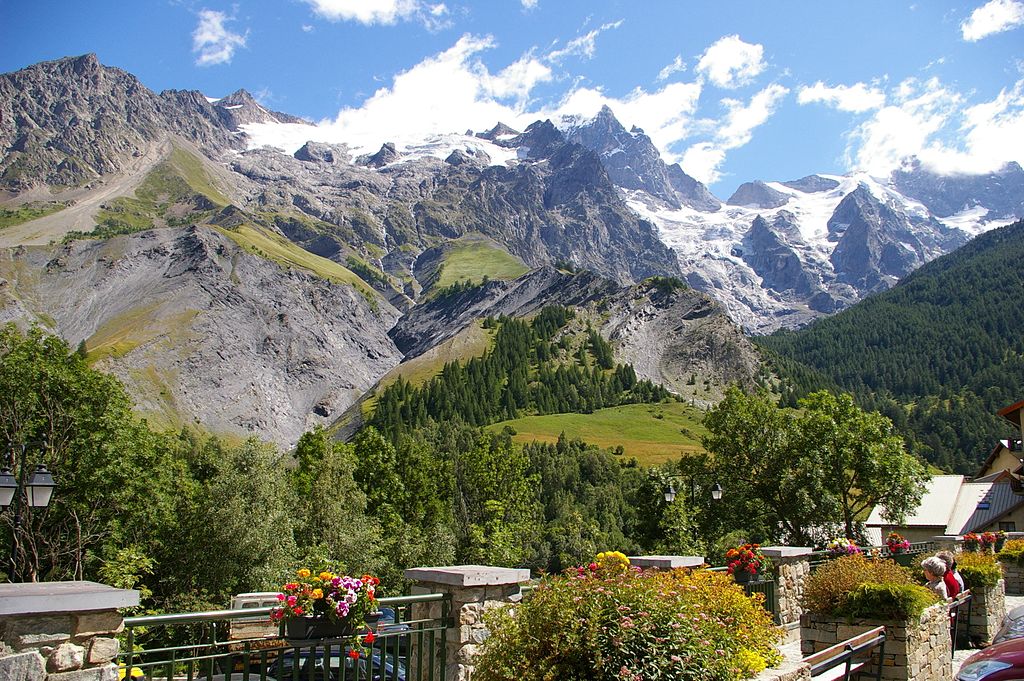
[(837, 662)]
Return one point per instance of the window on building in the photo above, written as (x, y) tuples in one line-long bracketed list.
[(1008, 527)]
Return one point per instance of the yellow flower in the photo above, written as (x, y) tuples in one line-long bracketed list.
[(317, 594), (326, 576), (303, 573)]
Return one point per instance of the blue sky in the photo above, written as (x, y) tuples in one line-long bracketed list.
[(734, 91)]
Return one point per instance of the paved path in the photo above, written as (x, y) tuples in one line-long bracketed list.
[(961, 655)]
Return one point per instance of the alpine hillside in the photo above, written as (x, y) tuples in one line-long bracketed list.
[(254, 289), (939, 353)]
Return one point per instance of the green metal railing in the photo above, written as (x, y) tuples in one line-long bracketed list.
[(411, 646)]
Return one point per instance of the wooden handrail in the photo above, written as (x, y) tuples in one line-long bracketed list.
[(833, 656)]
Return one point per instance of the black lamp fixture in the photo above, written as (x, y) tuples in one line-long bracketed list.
[(670, 491), (16, 491)]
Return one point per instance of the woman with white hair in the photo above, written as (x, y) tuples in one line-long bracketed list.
[(934, 571)]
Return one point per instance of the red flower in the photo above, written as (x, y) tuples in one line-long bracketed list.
[(354, 654), (298, 610), (369, 638)]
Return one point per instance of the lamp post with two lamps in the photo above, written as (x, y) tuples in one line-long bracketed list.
[(17, 493), (670, 494)]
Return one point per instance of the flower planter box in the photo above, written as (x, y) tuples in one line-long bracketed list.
[(914, 650), (314, 629)]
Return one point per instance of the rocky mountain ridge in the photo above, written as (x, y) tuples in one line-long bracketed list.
[(780, 254), (232, 285)]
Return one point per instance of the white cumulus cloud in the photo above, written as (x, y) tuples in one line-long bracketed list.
[(904, 128), (529, 4), (993, 17), (730, 62), (449, 92), (856, 98), (370, 11), (212, 42), (676, 66), (703, 160), (584, 45)]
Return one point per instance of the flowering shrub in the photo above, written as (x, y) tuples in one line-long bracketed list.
[(979, 570), (843, 547), (988, 541), (897, 543), (338, 598), (612, 563), (971, 541), (747, 558), (1012, 551), (675, 625), (853, 586)]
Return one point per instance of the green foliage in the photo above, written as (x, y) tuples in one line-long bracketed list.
[(667, 284), (979, 569), (888, 601), (1012, 552), (520, 374), (30, 211), (831, 462), (938, 354), (834, 589), (178, 191), (663, 625), (107, 464)]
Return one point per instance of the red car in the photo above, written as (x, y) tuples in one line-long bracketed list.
[(1000, 662)]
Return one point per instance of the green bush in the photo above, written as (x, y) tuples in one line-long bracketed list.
[(888, 601), (1013, 552), (655, 625), (835, 589), (979, 570)]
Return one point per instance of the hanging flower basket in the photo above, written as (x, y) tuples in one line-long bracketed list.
[(327, 606)]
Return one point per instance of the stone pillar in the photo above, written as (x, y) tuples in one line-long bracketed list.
[(914, 650), (473, 589), (988, 605), (61, 631), (792, 567), (666, 562)]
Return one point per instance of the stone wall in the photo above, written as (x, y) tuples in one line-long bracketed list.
[(61, 631), (60, 646), (917, 651), (1013, 575), (988, 605)]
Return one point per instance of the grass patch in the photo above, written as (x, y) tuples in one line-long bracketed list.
[(652, 433), (125, 332), (177, 192), (471, 258), (274, 247), (30, 211)]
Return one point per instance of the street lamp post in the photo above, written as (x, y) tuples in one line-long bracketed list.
[(670, 494), (17, 492)]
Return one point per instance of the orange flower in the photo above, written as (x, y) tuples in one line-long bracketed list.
[(317, 594), (303, 573)]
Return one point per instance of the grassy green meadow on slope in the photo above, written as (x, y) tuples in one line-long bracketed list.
[(472, 257), (652, 433)]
